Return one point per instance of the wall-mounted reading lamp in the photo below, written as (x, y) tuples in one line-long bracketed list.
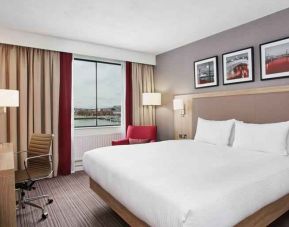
[(179, 106)]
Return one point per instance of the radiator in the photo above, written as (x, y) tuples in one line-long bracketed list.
[(86, 143)]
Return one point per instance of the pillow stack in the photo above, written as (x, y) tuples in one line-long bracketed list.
[(271, 138)]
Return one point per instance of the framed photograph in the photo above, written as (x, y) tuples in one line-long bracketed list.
[(275, 59), (238, 66), (206, 72)]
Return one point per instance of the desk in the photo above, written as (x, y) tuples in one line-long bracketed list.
[(7, 186)]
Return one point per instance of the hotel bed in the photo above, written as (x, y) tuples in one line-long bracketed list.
[(193, 183), (188, 183)]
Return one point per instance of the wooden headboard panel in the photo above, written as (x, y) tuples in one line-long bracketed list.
[(259, 105)]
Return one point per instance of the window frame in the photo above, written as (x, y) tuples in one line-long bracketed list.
[(96, 61)]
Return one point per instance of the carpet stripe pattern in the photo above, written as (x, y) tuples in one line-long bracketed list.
[(75, 204)]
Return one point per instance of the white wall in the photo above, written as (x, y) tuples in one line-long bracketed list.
[(15, 37)]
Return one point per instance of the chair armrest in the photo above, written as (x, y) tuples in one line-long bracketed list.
[(30, 152), (34, 154), (120, 142), (19, 152), (35, 157)]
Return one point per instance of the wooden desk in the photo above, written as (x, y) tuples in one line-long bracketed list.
[(7, 186)]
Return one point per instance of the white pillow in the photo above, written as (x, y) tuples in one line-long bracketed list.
[(214, 132), (270, 138)]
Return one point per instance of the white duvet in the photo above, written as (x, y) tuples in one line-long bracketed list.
[(188, 183)]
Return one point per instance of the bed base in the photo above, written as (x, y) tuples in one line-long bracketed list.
[(261, 218), (121, 210)]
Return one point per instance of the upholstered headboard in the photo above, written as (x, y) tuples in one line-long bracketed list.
[(260, 105)]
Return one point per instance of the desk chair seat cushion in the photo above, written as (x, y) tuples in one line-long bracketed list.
[(35, 173)]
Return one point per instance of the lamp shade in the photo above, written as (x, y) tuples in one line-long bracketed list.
[(178, 104), (9, 98), (151, 99)]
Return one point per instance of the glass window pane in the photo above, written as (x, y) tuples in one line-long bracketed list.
[(84, 88), (109, 94)]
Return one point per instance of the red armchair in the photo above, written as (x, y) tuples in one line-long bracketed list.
[(138, 132)]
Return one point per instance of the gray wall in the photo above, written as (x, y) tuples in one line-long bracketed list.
[(174, 69)]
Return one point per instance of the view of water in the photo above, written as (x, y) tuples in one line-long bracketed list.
[(92, 122)]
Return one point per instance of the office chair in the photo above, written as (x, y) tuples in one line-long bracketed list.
[(38, 166)]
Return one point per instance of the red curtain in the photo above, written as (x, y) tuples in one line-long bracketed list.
[(64, 131), (128, 96)]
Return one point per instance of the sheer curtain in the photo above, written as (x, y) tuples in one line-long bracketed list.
[(36, 74), (142, 81)]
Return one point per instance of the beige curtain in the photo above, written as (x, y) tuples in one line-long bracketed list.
[(36, 74), (142, 81)]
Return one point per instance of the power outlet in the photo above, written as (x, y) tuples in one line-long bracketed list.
[(182, 136)]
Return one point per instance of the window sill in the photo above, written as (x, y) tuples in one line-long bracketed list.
[(96, 127), (87, 131)]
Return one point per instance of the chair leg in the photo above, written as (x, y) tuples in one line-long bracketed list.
[(49, 201), (44, 213), (17, 194), (34, 205), (21, 198), (22, 201), (36, 198)]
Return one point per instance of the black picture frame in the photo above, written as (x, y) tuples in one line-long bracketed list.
[(251, 78), (263, 63), (216, 72)]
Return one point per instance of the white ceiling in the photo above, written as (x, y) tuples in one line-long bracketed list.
[(151, 26)]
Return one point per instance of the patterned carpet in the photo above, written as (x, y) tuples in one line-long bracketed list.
[(76, 205)]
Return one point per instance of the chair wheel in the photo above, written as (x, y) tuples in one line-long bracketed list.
[(49, 201), (44, 215)]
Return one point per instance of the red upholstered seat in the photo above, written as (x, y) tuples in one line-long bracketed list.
[(138, 132)]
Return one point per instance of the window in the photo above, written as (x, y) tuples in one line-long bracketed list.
[(97, 93)]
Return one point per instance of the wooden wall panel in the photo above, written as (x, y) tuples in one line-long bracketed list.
[(7, 186)]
